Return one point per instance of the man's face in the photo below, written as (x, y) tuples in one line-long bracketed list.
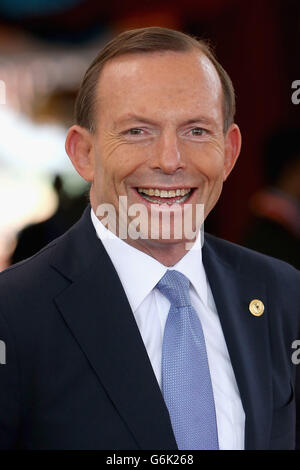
[(159, 127)]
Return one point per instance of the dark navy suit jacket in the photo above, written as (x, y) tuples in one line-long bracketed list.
[(77, 374)]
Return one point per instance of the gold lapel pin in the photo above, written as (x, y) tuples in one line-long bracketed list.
[(256, 307)]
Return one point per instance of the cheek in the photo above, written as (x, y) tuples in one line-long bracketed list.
[(115, 162), (209, 161)]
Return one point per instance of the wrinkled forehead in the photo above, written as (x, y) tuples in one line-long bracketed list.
[(159, 82)]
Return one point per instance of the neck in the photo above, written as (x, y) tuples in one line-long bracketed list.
[(167, 254)]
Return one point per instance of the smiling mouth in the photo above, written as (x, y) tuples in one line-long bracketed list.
[(165, 196)]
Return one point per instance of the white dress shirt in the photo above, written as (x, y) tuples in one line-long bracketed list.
[(139, 273)]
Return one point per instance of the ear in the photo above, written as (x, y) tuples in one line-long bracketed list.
[(233, 142), (80, 150)]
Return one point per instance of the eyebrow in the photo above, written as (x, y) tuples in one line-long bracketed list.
[(133, 117), (130, 117)]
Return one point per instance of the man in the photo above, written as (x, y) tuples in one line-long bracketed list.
[(118, 337)]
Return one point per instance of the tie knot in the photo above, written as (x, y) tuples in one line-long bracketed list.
[(175, 286)]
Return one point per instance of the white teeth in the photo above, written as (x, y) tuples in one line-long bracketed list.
[(164, 193), (166, 201)]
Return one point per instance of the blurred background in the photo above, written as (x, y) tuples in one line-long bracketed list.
[(45, 48)]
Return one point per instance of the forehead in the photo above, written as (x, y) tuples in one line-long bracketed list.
[(163, 83)]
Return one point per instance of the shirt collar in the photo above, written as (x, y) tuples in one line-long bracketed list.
[(139, 273)]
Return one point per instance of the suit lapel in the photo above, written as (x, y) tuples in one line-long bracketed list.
[(97, 312), (247, 340)]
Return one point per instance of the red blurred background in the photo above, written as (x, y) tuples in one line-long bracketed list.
[(257, 42)]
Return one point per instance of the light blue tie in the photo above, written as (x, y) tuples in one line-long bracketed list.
[(186, 382)]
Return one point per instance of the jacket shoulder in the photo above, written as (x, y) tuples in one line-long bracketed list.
[(248, 262), (28, 269), (33, 274)]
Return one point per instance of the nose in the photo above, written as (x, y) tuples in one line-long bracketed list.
[(167, 154)]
